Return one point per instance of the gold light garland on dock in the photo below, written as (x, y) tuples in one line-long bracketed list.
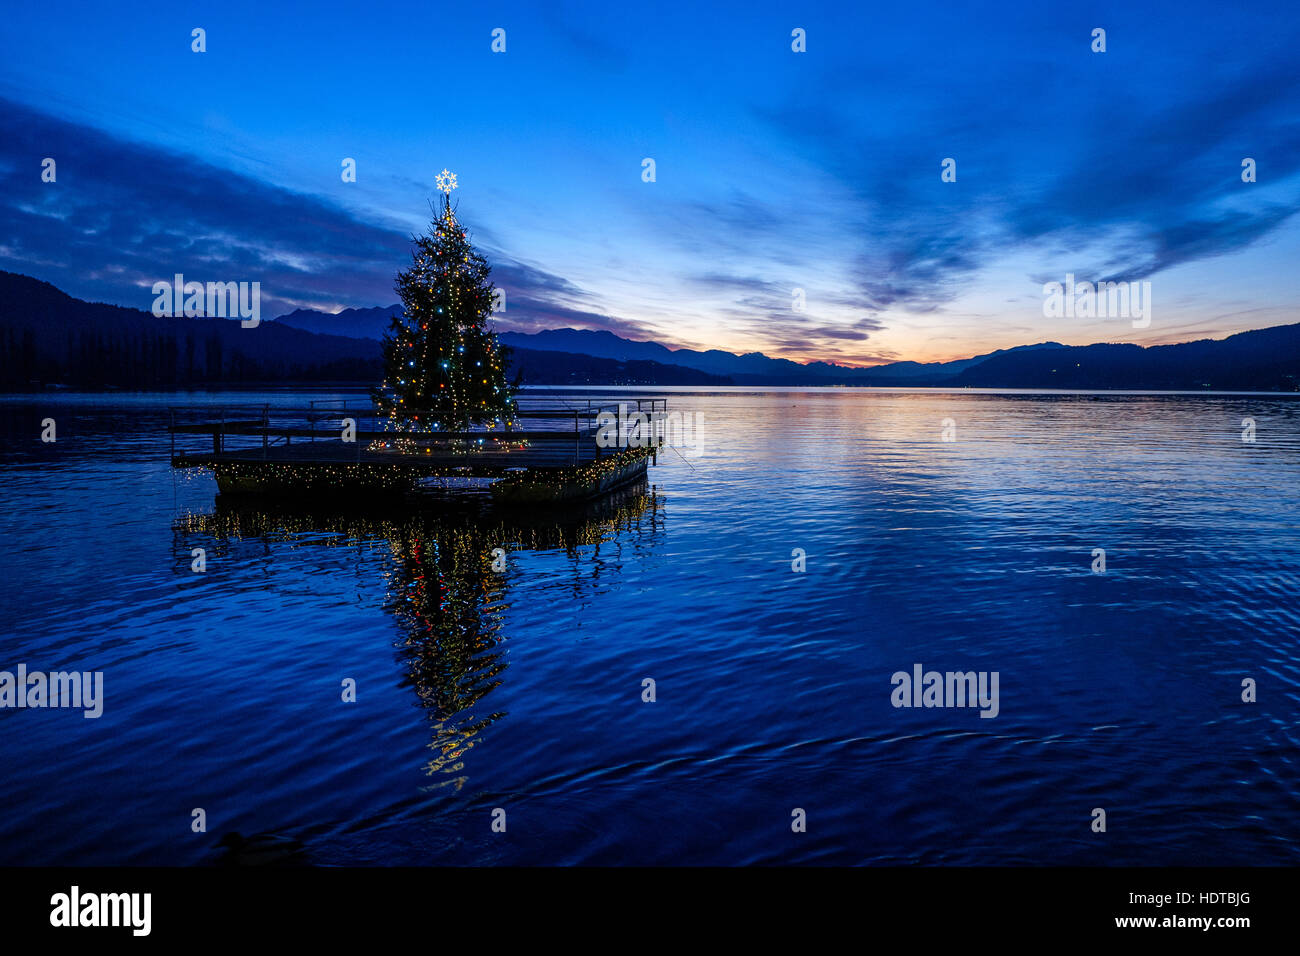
[(560, 483), (404, 476)]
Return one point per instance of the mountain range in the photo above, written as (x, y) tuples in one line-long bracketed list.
[(50, 338), (1264, 359), (751, 368)]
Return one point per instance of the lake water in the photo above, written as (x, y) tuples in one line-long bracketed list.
[(521, 689)]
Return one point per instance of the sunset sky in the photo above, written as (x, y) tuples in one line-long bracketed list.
[(775, 170)]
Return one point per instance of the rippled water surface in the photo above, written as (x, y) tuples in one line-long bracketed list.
[(522, 689)]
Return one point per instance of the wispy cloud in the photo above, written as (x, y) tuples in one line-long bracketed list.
[(122, 215)]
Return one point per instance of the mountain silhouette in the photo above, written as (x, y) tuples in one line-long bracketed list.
[(47, 337), (50, 338), (750, 368)]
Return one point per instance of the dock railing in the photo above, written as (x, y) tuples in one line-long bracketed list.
[(324, 420)]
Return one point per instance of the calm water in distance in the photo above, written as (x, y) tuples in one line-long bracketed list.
[(521, 689)]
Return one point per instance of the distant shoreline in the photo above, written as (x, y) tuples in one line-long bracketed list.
[(350, 387), (50, 338)]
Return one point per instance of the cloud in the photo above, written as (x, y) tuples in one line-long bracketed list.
[(122, 215), (593, 46), (1051, 154), (537, 300)]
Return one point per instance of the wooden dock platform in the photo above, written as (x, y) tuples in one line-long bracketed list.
[(303, 451)]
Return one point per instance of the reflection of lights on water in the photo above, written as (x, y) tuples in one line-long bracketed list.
[(437, 581)]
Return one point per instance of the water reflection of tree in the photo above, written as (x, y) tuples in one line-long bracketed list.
[(449, 601), (440, 585)]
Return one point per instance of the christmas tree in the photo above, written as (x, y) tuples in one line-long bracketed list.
[(443, 368)]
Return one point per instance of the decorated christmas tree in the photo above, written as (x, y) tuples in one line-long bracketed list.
[(443, 367)]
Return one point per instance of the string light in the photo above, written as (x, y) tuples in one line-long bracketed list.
[(404, 474), (447, 302), (580, 481)]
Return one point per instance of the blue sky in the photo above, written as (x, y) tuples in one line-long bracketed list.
[(775, 170)]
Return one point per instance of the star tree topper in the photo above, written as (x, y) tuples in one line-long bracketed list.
[(446, 181)]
